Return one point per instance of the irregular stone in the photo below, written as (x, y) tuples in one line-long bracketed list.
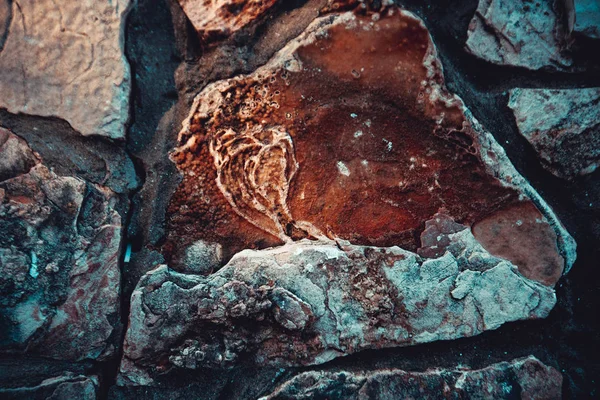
[(66, 387), (360, 142), (587, 18), (202, 257), (526, 378), (59, 253), (17, 158), (224, 17), (528, 34), (65, 59), (562, 125), (94, 159), (323, 300)]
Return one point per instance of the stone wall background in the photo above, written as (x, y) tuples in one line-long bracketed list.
[(169, 66)]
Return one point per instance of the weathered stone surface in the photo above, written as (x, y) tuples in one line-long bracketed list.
[(526, 378), (96, 160), (348, 132), (202, 257), (522, 235), (5, 17), (17, 158), (59, 252), (587, 18), (528, 34), (224, 17), (309, 302), (65, 59), (66, 387), (562, 125)]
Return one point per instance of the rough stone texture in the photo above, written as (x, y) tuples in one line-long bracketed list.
[(527, 379), (562, 125), (203, 258), (309, 302), (157, 42), (222, 18), (65, 59), (360, 142), (66, 387), (587, 18), (5, 16), (528, 34), (59, 251), (65, 151)]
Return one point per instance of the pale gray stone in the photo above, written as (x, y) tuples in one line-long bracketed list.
[(521, 34), (66, 59), (323, 300), (562, 125)]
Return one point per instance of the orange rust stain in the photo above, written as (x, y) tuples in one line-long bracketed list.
[(374, 161)]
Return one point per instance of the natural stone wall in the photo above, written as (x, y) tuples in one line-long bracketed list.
[(242, 199)]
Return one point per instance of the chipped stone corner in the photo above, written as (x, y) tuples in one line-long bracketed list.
[(499, 165)]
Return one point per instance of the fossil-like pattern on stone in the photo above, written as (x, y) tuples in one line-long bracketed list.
[(528, 34), (65, 59), (348, 132), (216, 18), (562, 125), (59, 251), (526, 378), (323, 300)]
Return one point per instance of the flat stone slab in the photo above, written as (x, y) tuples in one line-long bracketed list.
[(59, 259), (66, 59), (308, 302), (349, 132), (562, 125), (532, 35), (526, 378), (64, 387)]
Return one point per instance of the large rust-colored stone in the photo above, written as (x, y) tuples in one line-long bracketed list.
[(59, 259), (527, 379), (348, 132)]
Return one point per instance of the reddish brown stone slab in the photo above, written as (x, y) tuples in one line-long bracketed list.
[(348, 133), (219, 18)]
